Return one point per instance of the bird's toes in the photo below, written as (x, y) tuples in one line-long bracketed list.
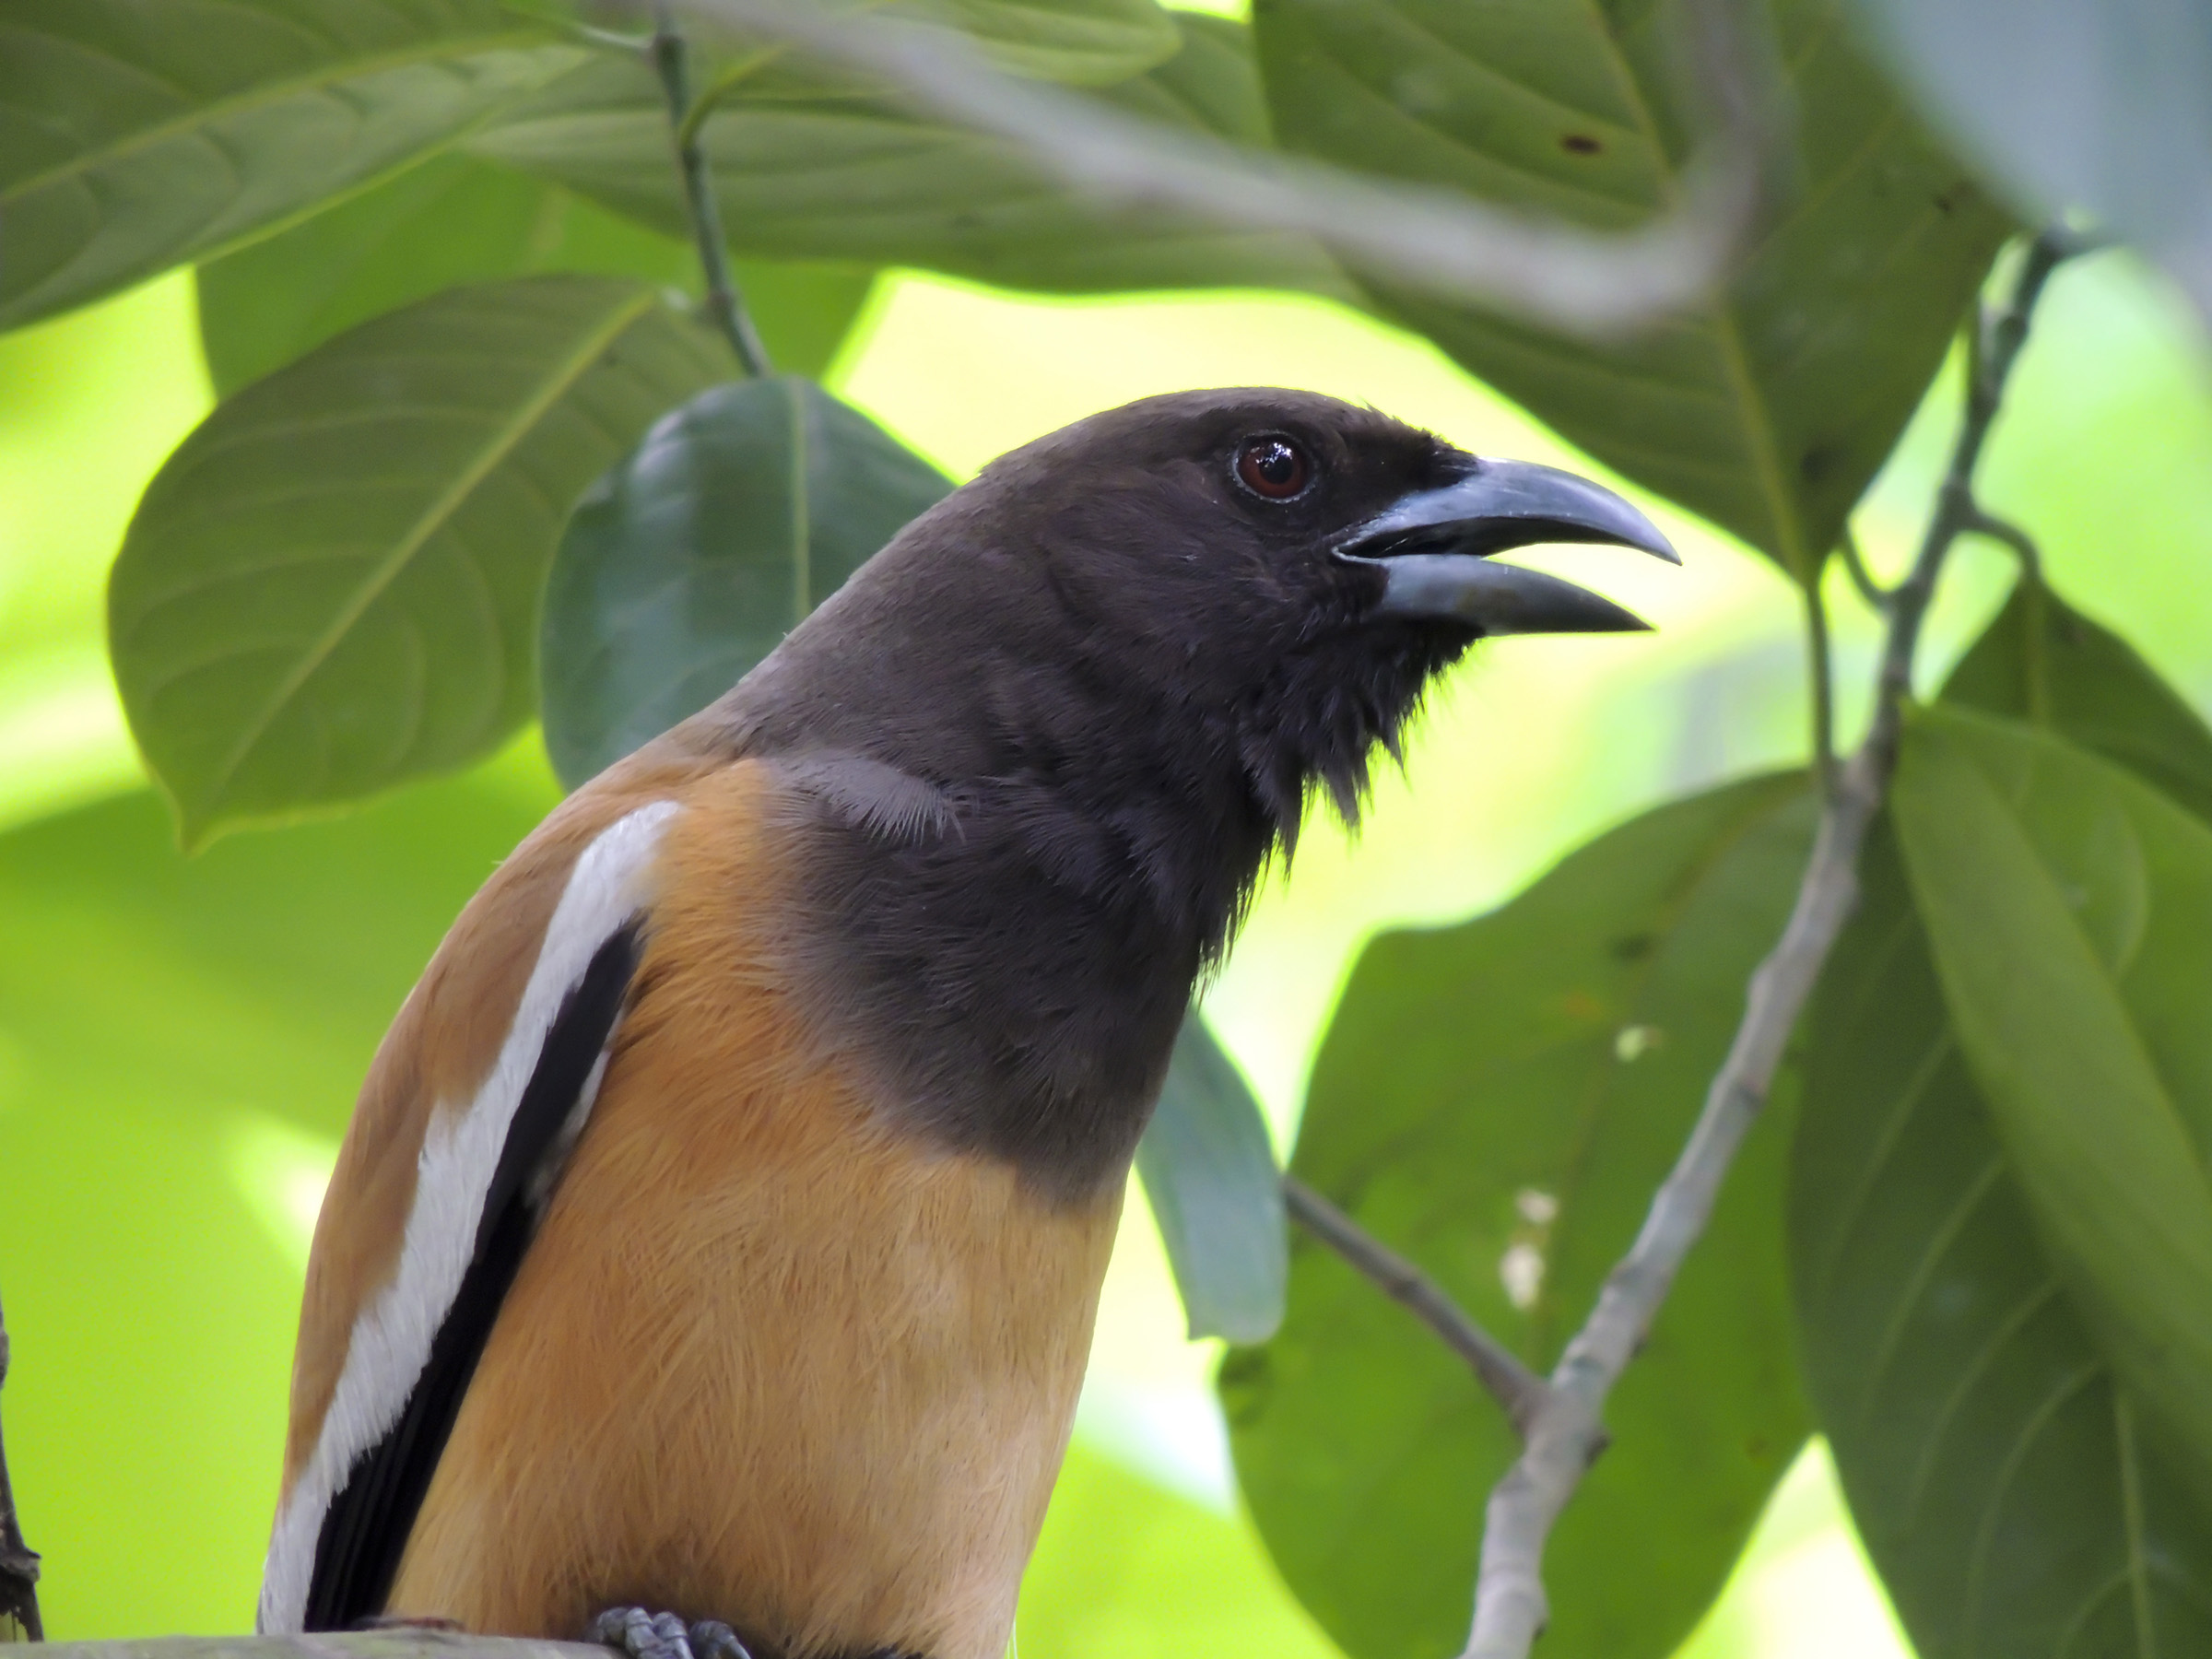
[(710, 1639), (642, 1634)]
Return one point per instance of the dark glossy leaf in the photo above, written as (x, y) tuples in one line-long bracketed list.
[(2105, 106), (2041, 660), (1499, 1100), (2065, 902), (805, 171), (1210, 1177), (2013, 1499), (1769, 412), (134, 136), (453, 221), (688, 562), (333, 586)]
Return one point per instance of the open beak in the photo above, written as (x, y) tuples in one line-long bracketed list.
[(1434, 549)]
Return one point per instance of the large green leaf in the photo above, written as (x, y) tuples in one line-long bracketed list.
[(1988, 1454), (1767, 412), (454, 219), (686, 563), (2044, 661), (1499, 1100), (333, 586), (133, 136), (1209, 1174), (2065, 902), (805, 171), (2015, 1501)]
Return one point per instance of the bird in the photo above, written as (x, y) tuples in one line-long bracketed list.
[(710, 1264)]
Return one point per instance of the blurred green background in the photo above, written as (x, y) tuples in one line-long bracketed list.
[(180, 1041)]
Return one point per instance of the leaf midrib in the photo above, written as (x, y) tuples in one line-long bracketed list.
[(502, 445), (262, 95)]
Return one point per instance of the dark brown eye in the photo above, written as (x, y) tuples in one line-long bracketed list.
[(1273, 467)]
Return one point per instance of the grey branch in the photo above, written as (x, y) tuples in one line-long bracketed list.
[(1510, 1605), (1590, 282), (18, 1561), (1498, 1368), (408, 1643)]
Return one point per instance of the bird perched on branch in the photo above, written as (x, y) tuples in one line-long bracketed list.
[(721, 1226)]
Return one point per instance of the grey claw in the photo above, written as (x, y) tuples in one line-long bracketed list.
[(643, 1635), (710, 1639)]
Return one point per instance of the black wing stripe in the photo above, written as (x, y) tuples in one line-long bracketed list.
[(366, 1527)]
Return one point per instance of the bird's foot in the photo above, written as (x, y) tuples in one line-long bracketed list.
[(643, 1635)]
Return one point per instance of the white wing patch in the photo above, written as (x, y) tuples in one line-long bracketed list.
[(390, 1341)]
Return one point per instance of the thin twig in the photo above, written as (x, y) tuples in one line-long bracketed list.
[(18, 1561), (2011, 536), (1510, 1607), (1549, 270), (1520, 1389), (671, 57), (1821, 670), (1854, 562)]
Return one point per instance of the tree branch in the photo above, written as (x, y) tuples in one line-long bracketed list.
[(18, 1561), (1820, 667), (671, 58), (1496, 1367), (1549, 270), (409, 1643), (1510, 1605)]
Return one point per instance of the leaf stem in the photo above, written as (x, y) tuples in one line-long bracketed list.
[(1854, 562), (1568, 1432), (1820, 667), (1520, 1389), (726, 304), (18, 1562)]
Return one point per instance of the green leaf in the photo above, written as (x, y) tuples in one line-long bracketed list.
[(133, 136), (2010, 1492), (455, 221), (1209, 1175), (805, 170), (2065, 902), (690, 560), (333, 586), (1498, 1100), (1092, 41), (2104, 107), (1770, 410), (2044, 661)]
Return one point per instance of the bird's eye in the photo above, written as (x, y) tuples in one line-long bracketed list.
[(1273, 468)]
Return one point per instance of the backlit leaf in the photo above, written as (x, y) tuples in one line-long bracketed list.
[(454, 219), (686, 564), (1209, 1174), (134, 136), (805, 171), (1498, 1100), (1767, 412), (333, 586)]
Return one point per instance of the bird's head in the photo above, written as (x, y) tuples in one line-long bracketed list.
[(1274, 573)]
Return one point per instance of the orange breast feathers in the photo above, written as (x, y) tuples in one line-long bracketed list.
[(771, 1357)]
